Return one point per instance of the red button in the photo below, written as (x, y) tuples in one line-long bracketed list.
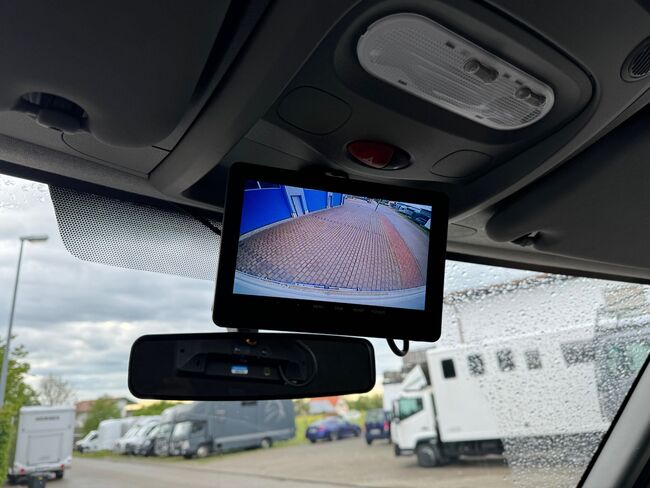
[(373, 154)]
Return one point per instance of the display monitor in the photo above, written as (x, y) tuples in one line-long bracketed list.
[(329, 249)]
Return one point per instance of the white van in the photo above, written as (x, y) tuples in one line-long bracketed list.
[(43, 441), (90, 443)]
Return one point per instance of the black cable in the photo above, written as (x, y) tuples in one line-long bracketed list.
[(398, 352), (200, 218), (289, 382)]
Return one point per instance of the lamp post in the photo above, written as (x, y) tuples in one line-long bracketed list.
[(5, 356)]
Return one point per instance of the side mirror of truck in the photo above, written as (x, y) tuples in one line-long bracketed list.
[(249, 366)]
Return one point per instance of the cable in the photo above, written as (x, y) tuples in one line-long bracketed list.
[(289, 382), (200, 218), (398, 352)]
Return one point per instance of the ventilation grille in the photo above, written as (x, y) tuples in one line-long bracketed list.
[(135, 236), (637, 64)]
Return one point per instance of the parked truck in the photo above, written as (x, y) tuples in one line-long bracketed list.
[(200, 428), (466, 401), (43, 442)]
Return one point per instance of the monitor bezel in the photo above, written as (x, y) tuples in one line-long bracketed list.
[(233, 310)]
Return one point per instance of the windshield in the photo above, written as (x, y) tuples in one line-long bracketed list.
[(181, 430), (526, 379)]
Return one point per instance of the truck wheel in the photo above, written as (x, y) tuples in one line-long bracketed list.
[(428, 455), (12, 479), (58, 474), (202, 452), (397, 450), (368, 441), (266, 443)]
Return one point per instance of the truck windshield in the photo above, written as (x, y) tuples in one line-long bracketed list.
[(408, 406), (182, 430)]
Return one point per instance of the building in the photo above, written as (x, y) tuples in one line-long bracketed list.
[(267, 203), (334, 405)]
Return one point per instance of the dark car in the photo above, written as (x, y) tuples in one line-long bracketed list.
[(331, 429), (377, 425)]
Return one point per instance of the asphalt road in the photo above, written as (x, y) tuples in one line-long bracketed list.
[(345, 463)]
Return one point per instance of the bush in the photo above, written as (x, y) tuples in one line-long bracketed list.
[(7, 434)]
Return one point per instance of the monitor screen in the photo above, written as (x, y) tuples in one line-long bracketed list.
[(308, 244)]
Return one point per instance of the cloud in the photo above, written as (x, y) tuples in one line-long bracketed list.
[(78, 319)]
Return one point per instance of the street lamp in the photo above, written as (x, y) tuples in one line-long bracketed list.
[(5, 356)]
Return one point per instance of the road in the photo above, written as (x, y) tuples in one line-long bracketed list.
[(345, 463)]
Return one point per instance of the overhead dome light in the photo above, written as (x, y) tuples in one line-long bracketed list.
[(426, 59)]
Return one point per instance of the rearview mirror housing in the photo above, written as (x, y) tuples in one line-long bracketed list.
[(249, 366)]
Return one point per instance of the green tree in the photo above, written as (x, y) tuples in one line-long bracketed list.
[(366, 402), (153, 408), (301, 406), (104, 408), (18, 394)]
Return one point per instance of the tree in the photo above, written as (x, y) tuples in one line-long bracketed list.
[(102, 409), (54, 390), (366, 402), (18, 393), (153, 408)]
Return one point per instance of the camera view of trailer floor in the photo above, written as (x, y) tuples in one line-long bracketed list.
[(360, 247)]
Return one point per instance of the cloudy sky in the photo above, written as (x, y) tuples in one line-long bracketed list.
[(78, 319)]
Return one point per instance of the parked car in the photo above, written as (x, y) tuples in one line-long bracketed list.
[(377, 425), (162, 438), (148, 444), (331, 429), (121, 445), (134, 441), (89, 443)]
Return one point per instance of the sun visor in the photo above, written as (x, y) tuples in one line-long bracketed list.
[(594, 207), (125, 72), (146, 236)]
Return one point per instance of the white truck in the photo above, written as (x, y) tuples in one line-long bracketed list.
[(43, 442), (470, 398)]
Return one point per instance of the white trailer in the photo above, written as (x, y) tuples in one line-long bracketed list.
[(478, 396), (43, 442)]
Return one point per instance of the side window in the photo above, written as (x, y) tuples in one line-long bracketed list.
[(408, 406), (533, 359), (506, 360), (448, 368), (578, 352), (476, 365), (197, 427)]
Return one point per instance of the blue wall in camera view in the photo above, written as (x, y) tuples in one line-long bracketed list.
[(316, 200), (263, 207)]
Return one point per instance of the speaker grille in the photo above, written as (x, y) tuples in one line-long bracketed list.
[(637, 64)]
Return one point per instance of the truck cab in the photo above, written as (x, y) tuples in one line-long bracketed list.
[(190, 438), (414, 421)]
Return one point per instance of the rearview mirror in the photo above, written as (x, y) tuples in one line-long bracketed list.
[(243, 366)]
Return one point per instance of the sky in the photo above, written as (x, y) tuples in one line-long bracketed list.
[(78, 319)]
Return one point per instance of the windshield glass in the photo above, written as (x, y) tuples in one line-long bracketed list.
[(181, 430), (526, 379)]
